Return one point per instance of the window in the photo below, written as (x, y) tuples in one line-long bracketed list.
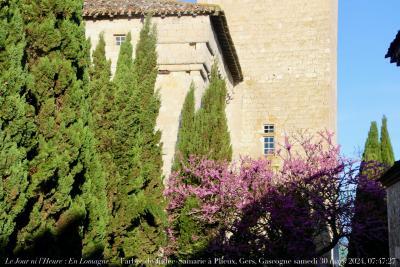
[(269, 139), (269, 145), (119, 39), (269, 128)]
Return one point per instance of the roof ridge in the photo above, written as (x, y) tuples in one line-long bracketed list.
[(110, 8)]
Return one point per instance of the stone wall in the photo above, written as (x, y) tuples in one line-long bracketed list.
[(394, 220), (187, 47), (287, 50)]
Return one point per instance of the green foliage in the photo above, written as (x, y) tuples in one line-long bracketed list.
[(102, 98), (376, 244), (191, 236), (372, 150), (101, 95), (67, 186), (204, 133), (124, 111), (123, 77), (212, 137), (123, 128), (150, 236), (17, 130), (387, 154), (138, 228), (184, 145)]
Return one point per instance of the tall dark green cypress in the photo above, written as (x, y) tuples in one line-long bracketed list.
[(102, 98), (370, 208), (67, 202), (124, 110), (123, 155), (102, 93), (386, 145), (184, 145), (212, 138), (205, 134), (372, 149), (150, 235), (17, 130), (138, 230)]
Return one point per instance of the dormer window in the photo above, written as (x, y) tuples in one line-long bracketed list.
[(119, 39)]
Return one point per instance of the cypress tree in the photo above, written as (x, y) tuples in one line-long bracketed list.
[(101, 94), (186, 130), (122, 152), (212, 138), (193, 236), (372, 150), (66, 216), (124, 110), (139, 230), (150, 236), (102, 98), (188, 227), (386, 146), (206, 134), (370, 208), (17, 130)]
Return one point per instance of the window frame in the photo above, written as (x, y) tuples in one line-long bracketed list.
[(269, 139), (269, 128), (119, 39), (268, 145)]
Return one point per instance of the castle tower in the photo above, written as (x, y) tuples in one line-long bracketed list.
[(278, 58), (287, 51)]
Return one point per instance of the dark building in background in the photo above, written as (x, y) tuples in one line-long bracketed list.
[(391, 179), (394, 50)]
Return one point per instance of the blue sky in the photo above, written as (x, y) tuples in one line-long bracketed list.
[(368, 85)]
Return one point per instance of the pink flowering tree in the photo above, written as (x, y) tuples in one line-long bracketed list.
[(248, 209), (207, 197)]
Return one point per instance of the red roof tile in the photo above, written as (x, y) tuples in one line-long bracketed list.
[(94, 8)]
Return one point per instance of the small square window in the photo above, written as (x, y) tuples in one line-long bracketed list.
[(269, 128), (119, 39), (269, 145)]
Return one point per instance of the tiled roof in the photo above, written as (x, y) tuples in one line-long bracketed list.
[(110, 8), (105, 9), (394, 50)]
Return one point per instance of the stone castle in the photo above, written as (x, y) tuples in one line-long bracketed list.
[(278, 58)]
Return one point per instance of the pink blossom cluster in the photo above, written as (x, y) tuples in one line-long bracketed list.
[(304, 207)]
